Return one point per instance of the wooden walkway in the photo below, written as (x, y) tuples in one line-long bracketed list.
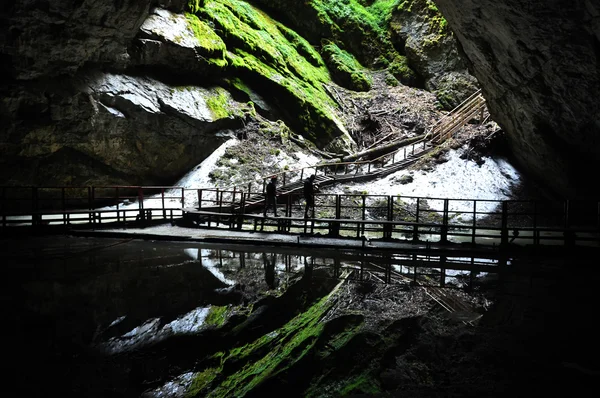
[(355, 215)]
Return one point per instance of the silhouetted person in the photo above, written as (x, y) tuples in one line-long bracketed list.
[(269, 271), (309, 194), (271, 196), (308, 272)]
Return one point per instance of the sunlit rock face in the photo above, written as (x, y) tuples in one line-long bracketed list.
[(105, 128), (538, 63), (64, 121)]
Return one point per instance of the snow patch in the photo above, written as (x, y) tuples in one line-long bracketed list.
[(455, 179)]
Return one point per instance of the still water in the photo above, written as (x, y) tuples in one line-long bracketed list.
[(71, 303)]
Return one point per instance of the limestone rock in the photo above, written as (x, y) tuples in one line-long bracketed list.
[(57, 37), (168, 40), (537, 63), (420, 31), (112, 129)]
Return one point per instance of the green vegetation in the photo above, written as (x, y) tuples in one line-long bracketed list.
[(428, 11), (201, 381), (363, 384), (363, 30), (208, 39), (282, 62), (219, 103), (216, 316), (347, 71), (271, 354), (401, 71)]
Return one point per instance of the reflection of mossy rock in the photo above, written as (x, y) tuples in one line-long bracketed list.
[(345, 69)]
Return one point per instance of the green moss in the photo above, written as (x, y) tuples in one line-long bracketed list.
[(216, 316), (219, 104), (400, 70), (347, 71), (207, 37), (194, 5), (361, 384), (429, 13), (282, 63), (390, 80), (294, 340), (201, 381)]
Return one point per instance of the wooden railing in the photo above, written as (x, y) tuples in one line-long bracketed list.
[(457, 118), (345, 215), (82, 205)]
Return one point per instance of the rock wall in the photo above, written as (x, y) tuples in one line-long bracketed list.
[(538, 64), (422, 34)]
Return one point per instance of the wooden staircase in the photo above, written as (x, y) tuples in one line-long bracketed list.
[(457, 118), (326, 173)]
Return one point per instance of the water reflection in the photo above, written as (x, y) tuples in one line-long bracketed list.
[(426, 270), (121, 295)]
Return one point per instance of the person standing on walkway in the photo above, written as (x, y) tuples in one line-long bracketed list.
[(309, 194), (271, 197)]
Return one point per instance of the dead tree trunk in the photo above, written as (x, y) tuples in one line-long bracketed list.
[(381, 150)]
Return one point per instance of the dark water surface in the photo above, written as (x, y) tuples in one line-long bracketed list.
[(70, 303)]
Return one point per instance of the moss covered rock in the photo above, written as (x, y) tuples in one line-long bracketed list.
[(345, 69), (420, 31), (278, 62)]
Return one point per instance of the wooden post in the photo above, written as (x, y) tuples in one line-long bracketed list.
[(242, 210), (474, 222), (416, 227), (118, 200), (444, 235), (443, 271), (363, 216), (302, 174), (164, 212), (504, 227), (199, 199), (141, 203)]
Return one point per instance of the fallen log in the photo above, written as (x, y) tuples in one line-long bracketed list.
[(381, 150)]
